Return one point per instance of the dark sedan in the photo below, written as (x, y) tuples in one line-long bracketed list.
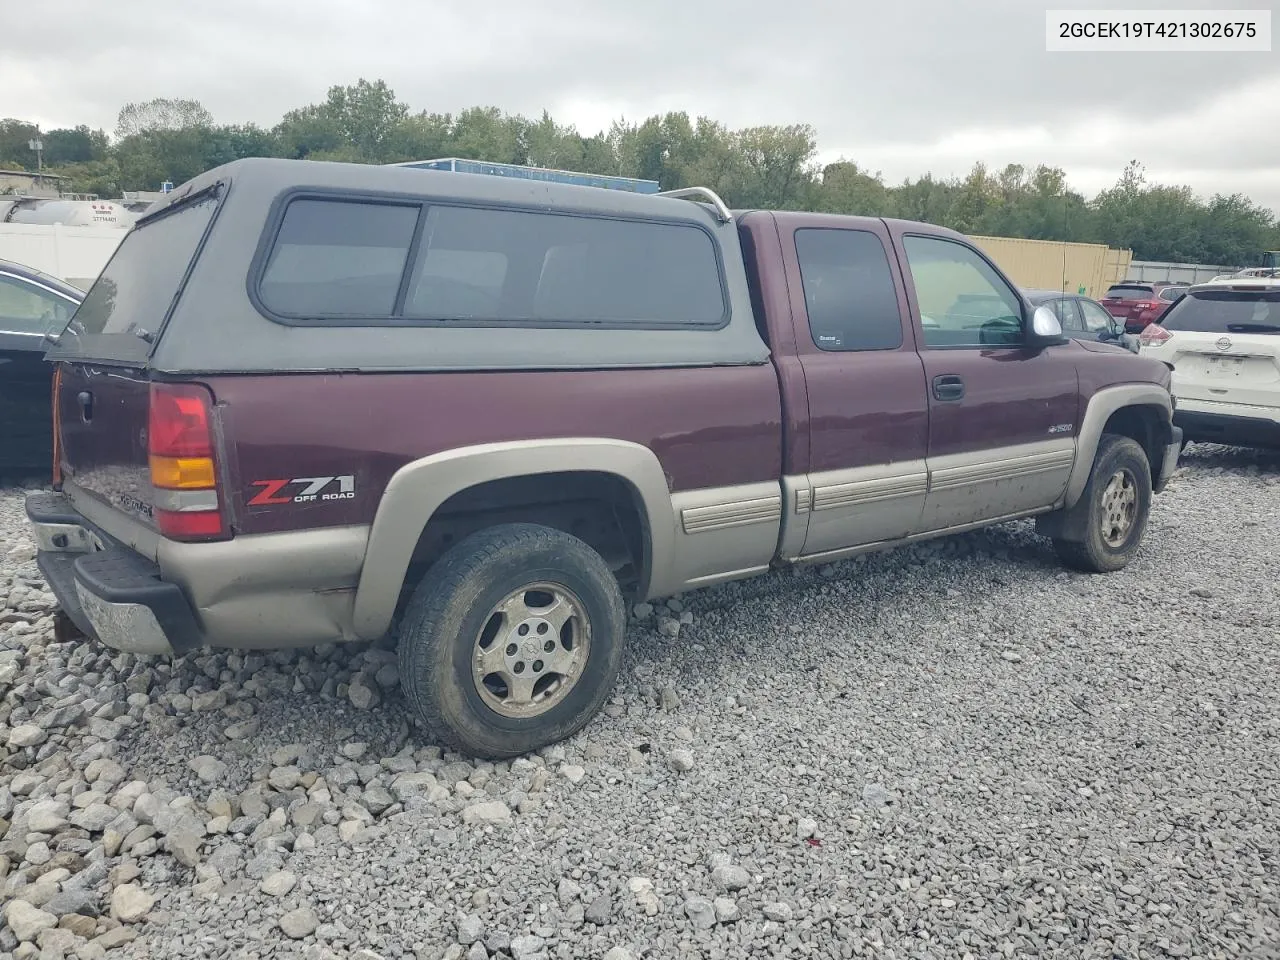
[(31, 304), (1083, 318)]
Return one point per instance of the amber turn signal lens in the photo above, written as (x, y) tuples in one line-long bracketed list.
[(182, 473)]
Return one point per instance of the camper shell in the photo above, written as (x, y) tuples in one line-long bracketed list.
[(218, 320)]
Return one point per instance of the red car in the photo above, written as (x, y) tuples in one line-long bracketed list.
[(1141, 303)]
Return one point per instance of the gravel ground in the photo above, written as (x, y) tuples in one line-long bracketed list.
[(957, 750)]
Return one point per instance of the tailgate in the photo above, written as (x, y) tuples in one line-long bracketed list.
[(102, 418), (1232, 368)]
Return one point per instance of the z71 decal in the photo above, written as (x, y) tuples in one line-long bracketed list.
[(273, 491)]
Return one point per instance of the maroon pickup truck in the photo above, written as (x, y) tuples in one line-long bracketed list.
[(307, 402)]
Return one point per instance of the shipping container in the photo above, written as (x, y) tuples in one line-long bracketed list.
[(1083, 268)]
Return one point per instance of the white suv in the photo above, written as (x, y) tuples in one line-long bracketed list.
[(1223, 341)]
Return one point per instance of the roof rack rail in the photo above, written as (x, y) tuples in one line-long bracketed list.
[(706, 193)]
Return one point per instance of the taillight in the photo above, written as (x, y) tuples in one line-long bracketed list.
[(184, 473), (1153, 335)]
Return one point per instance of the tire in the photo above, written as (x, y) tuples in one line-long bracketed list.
[(512, 703), (1122, 461)]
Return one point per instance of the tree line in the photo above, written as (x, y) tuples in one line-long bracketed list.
[(764, 166)]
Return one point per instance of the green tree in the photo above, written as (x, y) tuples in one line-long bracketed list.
[(75, 145), (101, 177), (363, 116), (15, 152), (423, 136), (485, 133), (924, 199), (847, 188)]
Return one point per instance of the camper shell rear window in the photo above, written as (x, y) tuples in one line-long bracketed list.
[(334, 259), (126, 309)]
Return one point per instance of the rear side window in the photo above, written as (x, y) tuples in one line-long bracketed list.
[(1225, 311), (848, 290), (1129, 292), (338, 259), (448, 264)]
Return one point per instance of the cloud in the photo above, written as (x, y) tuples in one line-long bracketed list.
[(906, 87)]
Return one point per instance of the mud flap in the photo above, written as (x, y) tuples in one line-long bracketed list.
[(1066, 524)]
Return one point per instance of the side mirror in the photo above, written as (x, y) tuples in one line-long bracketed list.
[(1046, 330), (1117, 327)]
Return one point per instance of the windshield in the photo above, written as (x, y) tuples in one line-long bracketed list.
[(1129, 292), (127, 305), (1226, 311)]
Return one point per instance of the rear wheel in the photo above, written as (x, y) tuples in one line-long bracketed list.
[(1112, 511), (513, 640)]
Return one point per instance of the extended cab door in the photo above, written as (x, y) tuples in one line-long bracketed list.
[(1002, 416), (868, 411)]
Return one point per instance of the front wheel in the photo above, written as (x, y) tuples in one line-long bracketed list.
[(513, 640), (1115, 505)]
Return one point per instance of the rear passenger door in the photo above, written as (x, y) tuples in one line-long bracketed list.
[(868, 412), (1002, 416)]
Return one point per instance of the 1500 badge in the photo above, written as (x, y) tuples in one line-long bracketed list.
[(314, 489)]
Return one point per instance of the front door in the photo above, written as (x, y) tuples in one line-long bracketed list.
[(1002, 417)]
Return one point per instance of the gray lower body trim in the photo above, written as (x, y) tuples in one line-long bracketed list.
[(830, 556), (1171, 453), (862, 504), (981, 485), (725, 533), (797, 499), (271, 590)]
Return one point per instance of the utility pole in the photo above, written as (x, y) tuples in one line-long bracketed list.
[(38, 146)]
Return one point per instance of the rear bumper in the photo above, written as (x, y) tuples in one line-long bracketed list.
[(255, 592), (110, 592), (1233, 424)]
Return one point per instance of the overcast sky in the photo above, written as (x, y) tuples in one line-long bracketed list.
[(901, 86)]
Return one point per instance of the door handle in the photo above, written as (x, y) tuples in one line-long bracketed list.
[(85, 399), (948, 387)]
